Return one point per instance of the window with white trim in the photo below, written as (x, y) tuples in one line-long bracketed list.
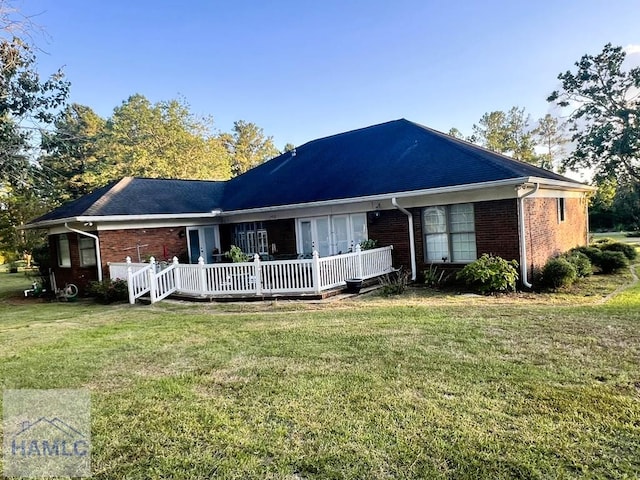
[(449, 233), (251, 238), (87, 247), (562, 212), (64, 253)]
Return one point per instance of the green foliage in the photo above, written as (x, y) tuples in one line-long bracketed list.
[(506, 132), (25, 100), (490, 274), (549, 135), (559, 272), (237, 255), (592, 253), (432, 277), (161, 140), (248, 146), (75, 151), (394, 283), (580, 262), (368, 244), (627, 249), (109, 291), (612, 261), (603, 108)]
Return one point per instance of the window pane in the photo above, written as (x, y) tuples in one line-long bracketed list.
[(461, 218), (435, 220), (464, 247), (359, 227), (87, 251), (64, 255), (437, 247)]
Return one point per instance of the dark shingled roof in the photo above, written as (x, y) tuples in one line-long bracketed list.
[(144, 196), (392, 157)]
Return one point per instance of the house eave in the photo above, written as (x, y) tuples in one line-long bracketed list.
[(556, 184), (119, 218)]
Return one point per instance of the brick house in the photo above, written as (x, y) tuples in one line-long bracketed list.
[(436, 199)]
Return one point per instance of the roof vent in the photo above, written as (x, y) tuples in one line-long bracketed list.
[(293, 152)]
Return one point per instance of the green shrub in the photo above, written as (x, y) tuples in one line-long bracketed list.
[(109, 291), (490, 274), (611, 262), (368, 244), (626, 248), (593, 253), (581, 263), (559, 272), (394, 283), (432, 277), (237, 255)]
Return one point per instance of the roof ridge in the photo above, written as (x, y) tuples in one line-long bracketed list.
[(461, 142), (106, 197)]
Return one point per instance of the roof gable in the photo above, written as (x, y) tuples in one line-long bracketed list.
[(143, 196), (397, 156)]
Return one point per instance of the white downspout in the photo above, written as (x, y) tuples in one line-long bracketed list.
[(97, 242), (412, 241), (523, 237)]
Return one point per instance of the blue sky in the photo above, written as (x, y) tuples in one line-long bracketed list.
[(303, 70)]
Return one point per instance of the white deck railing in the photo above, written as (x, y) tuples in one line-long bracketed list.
[(251, 278)]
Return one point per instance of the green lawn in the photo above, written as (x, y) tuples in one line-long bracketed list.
[(421, 386)]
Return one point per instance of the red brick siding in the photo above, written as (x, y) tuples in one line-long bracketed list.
[(545, 236), (391, 228), (497, 228), (80, 276), (116, 245)]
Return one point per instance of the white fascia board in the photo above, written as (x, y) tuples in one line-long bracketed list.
[(562, 185), (165, 217), (383, 196)]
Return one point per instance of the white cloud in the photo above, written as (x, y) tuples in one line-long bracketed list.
[(632, 49)]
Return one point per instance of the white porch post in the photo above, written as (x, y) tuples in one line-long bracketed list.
[(315, 269), (203, 276), (176, 274), (152, 280), (359, 261), (257, 273), (132, 299)]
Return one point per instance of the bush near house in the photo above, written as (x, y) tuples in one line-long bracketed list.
[(490, 274), (559, 272), (109, 291)]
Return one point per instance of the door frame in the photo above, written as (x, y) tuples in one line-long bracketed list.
[(206, 245)]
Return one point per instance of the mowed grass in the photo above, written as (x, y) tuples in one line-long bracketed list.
[(420, 386)]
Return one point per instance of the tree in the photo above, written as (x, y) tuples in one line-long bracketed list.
[(73, 156), (508, 133), (455, 133), (161, 140), (18, 205), (289, 147), (27, 106), (549, 135), (605, 114), (248, 146)]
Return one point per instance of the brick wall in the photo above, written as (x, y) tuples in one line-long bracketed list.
[(545, 235), (497, 228), (116, 245), (80, 276)]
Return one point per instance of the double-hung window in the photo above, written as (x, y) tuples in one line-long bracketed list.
[(449, 233), (87, 247), (64, 253)]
